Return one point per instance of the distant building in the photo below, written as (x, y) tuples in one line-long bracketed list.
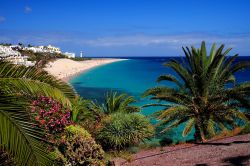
[(44, 49), (22, 60), (16, 47), (53, 49), (7, 53), (81, 54), (34, 49), (70, 54)]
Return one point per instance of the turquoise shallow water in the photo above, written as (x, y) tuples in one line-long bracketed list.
[(132, 76)]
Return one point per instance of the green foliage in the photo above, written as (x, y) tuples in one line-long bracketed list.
[(84, 110), (17, 136), (6, 159), (120, 130), (166, 141), (77, 147), (19, 85), (50, 115), (80, 59), (41, 58), (86, 113), (5, 44), (246, 129), (206, 97), (119, 103), (72, 131)]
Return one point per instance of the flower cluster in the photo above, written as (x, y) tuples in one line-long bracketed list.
[(50, 115)]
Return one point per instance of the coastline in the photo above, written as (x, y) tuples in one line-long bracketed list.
[(66, 69)]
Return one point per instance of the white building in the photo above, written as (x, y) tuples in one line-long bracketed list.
[(53, 49), (16, 47), (34, 49), (7, 51), (44, 49), (70, 54), (15, 57)]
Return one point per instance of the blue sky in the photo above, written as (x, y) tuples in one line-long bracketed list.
[(126, 27)]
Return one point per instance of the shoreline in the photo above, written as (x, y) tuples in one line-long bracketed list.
[(67, 69)]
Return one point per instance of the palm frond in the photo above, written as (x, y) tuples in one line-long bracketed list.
[(18, 137), (188, 127), (8, 70), (28, 87)]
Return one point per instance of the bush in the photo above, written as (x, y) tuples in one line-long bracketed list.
[(77, 147), (120, 130), (246, 129), (166, 141), (6, 159), (86, 113), (50, 115)]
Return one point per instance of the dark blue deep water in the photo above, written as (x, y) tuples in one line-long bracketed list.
[(132, 76)]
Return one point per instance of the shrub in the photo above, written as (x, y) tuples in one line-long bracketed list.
[(246, 129), (78, 148), (166, 141), (120, 130), (86, 113), (50, 115), (6, 158)]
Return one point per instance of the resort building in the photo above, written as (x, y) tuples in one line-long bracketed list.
[(7, 53), (34, 49), (53, 49), (70, 54), (44, 49)]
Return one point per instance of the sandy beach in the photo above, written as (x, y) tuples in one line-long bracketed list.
[(65, 69)]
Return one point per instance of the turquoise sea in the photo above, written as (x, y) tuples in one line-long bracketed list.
[(133, 77)]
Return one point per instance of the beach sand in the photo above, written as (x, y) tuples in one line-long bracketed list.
[(66, 69)]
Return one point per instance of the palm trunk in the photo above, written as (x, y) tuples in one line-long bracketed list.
[(199, 135)]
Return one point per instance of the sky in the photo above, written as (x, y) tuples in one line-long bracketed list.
[(126, 27)]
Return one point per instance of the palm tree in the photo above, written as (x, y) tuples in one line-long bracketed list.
[(119, 103), (206, 96), (19, 85)]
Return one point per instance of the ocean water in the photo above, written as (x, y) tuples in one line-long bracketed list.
[(133, 76)]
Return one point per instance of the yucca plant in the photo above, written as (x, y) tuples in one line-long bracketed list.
[(206, 97), (115, 102), (120, 130), (19, 85)]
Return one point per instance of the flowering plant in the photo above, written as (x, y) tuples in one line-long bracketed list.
[(50, 115)]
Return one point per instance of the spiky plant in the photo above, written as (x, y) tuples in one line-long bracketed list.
[(206, 96), (115, 102), (19, 85), (120, 130)]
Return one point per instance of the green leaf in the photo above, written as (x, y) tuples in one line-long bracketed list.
[(188, 127)]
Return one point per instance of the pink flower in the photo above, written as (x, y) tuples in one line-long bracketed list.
[(42, 122)]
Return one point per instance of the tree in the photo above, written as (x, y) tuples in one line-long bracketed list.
[(206, 96), (21, 44), (119, 103), (19, 85)]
